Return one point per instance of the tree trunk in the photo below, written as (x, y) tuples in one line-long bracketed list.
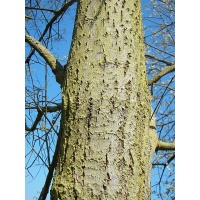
[(105, 151)]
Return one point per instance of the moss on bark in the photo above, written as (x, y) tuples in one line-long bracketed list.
[(105, 146)]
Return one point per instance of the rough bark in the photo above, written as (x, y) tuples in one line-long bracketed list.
[(105, 147)]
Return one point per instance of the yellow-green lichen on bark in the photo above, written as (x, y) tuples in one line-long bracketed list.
[(105, 147)]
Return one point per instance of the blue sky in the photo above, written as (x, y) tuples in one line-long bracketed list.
[(34, 186)]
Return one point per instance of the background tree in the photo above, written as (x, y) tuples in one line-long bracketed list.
[(46, 23)]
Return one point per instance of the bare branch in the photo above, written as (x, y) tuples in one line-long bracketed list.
[(27, 17), (158, 59), (52, 166), (56, 67), (165, 146), (48, 108), (159, 49), (172, 158), (45, 9), (49, 25), (161, 74), (37, 120)]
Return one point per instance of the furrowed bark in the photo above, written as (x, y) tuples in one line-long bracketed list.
[(105, 150)]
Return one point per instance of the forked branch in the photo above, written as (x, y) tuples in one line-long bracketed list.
[(156, 144)]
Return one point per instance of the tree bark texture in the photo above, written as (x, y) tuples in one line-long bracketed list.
[(105, 149)]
